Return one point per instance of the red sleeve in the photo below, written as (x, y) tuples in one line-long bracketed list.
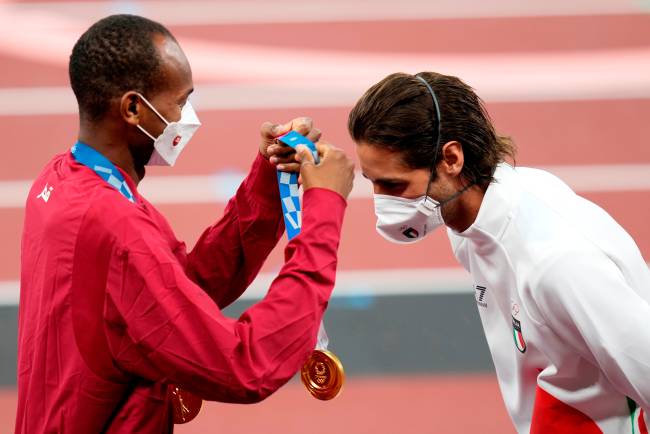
[(162, 326), (230, 253)]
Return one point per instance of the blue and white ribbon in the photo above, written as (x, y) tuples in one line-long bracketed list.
[(288, 183), (102, 167), (291, 208)]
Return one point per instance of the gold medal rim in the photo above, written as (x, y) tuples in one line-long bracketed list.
[(336, 367)]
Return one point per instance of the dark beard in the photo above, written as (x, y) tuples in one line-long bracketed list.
[(141, 156)]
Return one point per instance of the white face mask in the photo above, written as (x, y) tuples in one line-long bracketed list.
[(405, 221), (169, 144)]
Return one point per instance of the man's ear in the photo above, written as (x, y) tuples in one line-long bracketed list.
[(453, 158), (131, 107)]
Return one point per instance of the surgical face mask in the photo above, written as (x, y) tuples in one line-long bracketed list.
[(405, 221), (169, 144)]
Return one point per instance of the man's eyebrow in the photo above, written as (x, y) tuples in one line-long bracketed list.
[(186, 95), (390, 180), (386, 180)]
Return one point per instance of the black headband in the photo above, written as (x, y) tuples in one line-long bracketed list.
[(437, 107), (435, 153)]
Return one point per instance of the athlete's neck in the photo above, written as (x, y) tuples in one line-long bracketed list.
[(463, 213), (113, 147)]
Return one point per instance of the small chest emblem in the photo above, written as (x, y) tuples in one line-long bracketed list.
[(520, 343), (480, 295), (45, 194)]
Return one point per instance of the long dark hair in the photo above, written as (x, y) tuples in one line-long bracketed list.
[(398, 114)]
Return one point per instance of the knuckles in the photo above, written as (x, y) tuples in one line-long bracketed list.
[(266, 129), (315, 134), (303, 125)]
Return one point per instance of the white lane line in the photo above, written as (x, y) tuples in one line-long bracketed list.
[(9, 292), (197, 189), (194, 12), (358, 283), (384, 282), (603, 178), (28, 101)]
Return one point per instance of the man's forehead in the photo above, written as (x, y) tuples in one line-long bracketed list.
[(170, 49), (174, 65), (171, 54)]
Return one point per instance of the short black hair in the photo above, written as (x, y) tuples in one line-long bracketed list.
[(115, 55)]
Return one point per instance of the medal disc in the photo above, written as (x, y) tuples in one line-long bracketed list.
[(185, 405), (323, 375)]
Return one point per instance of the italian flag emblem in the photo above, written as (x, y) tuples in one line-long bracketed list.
[(520, 343), (637, 418)]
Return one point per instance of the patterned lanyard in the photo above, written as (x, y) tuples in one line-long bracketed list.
[(322, 374), (291, 209), (106, 170), (288, 183)]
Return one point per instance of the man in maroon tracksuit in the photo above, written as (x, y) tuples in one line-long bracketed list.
[(113, 311)]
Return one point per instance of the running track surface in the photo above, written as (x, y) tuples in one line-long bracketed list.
[(423, 405), (602, 125)]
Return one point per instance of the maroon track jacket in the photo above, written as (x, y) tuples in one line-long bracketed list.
[(113, 309)]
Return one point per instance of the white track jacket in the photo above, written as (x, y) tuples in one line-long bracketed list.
[(564, 297)]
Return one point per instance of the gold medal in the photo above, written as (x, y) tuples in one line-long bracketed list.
[(185, 405), (323, 375)]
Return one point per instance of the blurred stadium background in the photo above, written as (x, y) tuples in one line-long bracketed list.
[(568, 79)]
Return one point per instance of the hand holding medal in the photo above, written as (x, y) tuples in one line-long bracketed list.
[(323, 373)]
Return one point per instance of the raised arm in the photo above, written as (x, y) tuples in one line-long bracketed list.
[(230, 253), (162, 326)]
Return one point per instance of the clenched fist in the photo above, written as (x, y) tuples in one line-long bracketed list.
[(334, 172), (284, 157)]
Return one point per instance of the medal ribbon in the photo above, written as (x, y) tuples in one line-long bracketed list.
[(102, 167), (291, 208)]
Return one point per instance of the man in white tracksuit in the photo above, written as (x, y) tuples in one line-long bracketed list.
[(562, 290)]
